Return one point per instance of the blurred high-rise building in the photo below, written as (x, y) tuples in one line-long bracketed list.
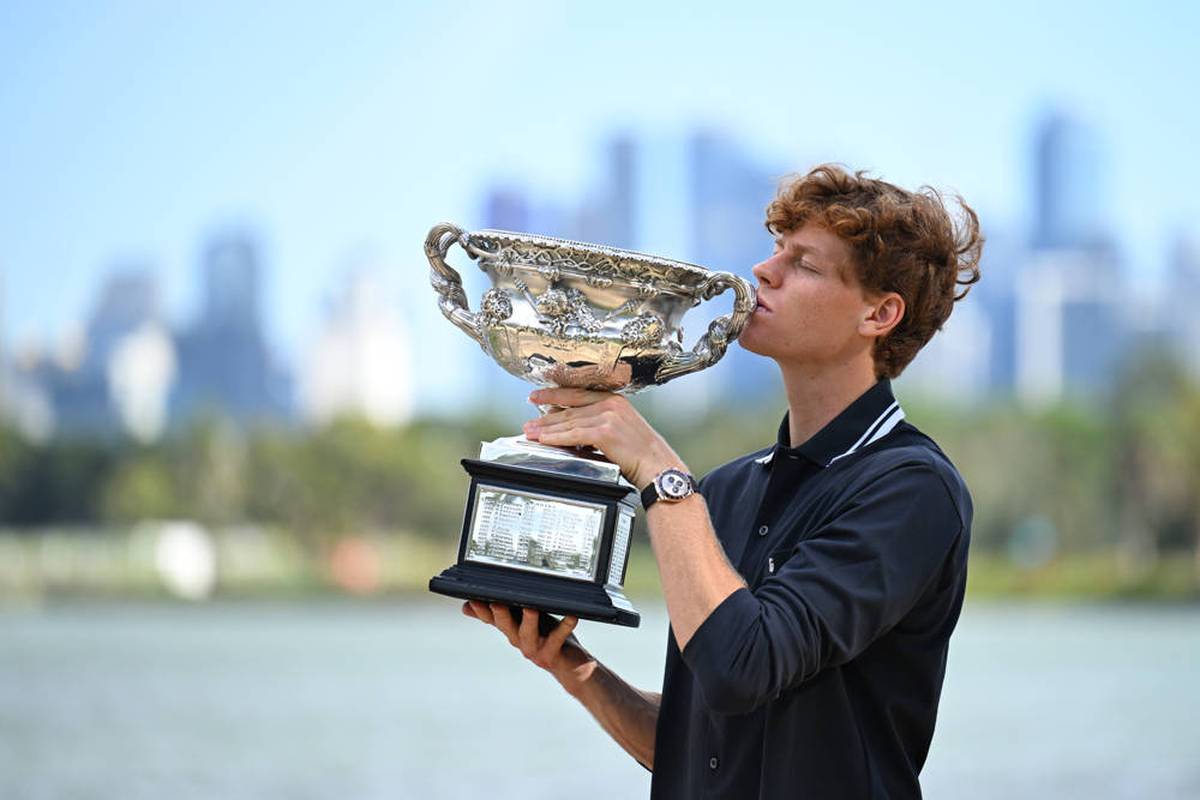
[(1071, 330), (729, 195), (622, 203), (954, 367), (1071, 326), (118, 384), (232, 270), (109, 376), (130, 356), (1183, 286), (129, 298), (664, 217), (607, 213), (361, 362), (506, 208), (140, 372), (1004, 255), (225, 364), (1069, 185)]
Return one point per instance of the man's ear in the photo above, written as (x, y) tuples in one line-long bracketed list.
[(883, 314)]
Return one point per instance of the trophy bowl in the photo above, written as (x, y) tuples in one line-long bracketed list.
[(549, 527), (564, 313)]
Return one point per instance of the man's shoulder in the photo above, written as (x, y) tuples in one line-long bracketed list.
[(911, 451)]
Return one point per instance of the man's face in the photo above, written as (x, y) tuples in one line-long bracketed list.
[(810, 303)]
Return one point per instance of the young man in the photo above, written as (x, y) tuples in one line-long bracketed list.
[(812, 586)]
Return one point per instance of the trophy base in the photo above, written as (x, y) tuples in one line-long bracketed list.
[(544, 529), (491, 585)]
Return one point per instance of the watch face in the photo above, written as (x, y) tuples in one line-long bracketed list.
[(673, 484)]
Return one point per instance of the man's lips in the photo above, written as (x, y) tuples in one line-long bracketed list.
[(762, 306)]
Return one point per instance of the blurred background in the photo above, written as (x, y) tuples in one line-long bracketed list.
[(231, 414)]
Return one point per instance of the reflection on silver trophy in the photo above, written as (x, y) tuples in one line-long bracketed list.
[(549, 527)]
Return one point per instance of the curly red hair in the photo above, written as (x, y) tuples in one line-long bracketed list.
[(903, 242)]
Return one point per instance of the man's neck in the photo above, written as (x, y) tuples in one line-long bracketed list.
[(817, 394)]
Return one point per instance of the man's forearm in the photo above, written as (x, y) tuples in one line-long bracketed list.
[(626, 713), (695, 573)]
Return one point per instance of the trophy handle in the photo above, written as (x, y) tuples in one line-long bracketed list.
[(452, 299), (721, 331)]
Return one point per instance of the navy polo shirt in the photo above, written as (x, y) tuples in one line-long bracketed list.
[(821, 679)]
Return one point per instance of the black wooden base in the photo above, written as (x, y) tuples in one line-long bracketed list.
[(600, 599), (581, 599)]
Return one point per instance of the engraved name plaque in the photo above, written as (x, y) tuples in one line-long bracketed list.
[(535, 532)]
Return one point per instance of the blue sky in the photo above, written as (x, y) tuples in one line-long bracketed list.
[(131, 130)]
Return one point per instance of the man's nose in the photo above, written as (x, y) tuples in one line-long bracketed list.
[(764, 272)]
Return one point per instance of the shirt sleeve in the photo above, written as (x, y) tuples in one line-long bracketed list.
[(842, 587)]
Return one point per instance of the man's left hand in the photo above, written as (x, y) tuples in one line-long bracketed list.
[(609, 423)]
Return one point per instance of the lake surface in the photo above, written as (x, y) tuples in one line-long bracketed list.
[(412, 700)]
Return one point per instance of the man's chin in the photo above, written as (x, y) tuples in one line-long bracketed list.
[(751, 344)]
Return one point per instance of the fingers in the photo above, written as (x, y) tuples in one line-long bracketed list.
[(557, 423), (504, 621), (479, 610), (568, 397), (528, 636), (565, 435), (539, 638), (566, 415), (572, 426), (554, 641)]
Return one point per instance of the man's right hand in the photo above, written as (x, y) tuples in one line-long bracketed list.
[(557, 652)]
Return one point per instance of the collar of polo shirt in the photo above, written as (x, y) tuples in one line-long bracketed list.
[(865, 421)]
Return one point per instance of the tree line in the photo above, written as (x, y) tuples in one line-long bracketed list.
[(1120, 475)]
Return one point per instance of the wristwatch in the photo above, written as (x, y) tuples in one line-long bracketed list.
[(671, 485)]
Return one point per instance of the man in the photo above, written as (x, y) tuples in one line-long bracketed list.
[(812, 587)]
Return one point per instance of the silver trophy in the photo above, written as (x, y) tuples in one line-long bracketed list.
[(549, 527)]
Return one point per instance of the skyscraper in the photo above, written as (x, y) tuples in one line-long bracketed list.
[(225, 365), (1183, 286), (361, 363), (622, 177), (129, 298), (1069, 189), (1070, 327), (232, 281), (79, 384), (729, 196), (607, 213), (506, 208)]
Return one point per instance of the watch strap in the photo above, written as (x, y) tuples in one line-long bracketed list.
[(650, 494)]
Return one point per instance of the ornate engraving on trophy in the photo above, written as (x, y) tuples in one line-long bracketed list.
[(565, 313)]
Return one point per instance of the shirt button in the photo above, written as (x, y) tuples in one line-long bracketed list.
[(762, 530), (712, 763)]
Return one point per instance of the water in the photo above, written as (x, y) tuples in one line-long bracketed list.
[(411, 700)]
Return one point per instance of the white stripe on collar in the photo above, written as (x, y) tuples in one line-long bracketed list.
[(881, 427)]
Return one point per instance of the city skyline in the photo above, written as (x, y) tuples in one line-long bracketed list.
[(141, 129), (1050, 322)]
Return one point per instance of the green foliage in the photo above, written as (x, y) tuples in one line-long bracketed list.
[(61, 481), (137, 489), (351, 476), (1072, 480)]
